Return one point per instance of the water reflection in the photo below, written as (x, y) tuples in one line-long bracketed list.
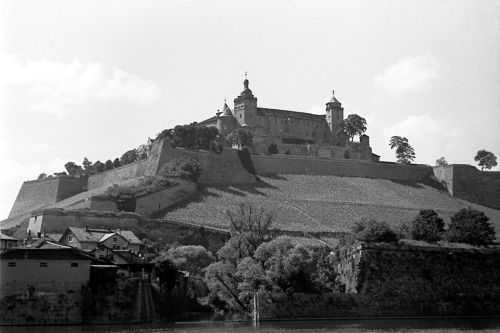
[(428, 325)]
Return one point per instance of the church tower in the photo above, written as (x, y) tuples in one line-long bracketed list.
[(245, 106), (334, 115)]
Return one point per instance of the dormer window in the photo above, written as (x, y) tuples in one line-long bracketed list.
[(70, 238)]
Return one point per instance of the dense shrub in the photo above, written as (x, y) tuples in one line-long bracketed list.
[(272, 149), (185, 167), (470, 226), (147, 184), (427, 226), (374, 232)]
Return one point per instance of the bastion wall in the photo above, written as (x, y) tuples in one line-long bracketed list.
[(466, 182), (117, 175), (39, 193), (286, 164), (400, 281), (225, 167)]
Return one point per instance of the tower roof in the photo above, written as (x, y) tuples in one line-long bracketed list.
[(226, 111), (247, 92), (333, 100)]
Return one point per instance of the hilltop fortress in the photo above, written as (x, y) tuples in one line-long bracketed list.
[(291, 132), (307, 144)]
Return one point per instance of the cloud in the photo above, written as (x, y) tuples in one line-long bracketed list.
[(408, 74), (58, 87)]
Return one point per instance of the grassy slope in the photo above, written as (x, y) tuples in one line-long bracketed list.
[(324, 203)]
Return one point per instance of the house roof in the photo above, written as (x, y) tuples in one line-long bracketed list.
[(289, 114), (45, 254), (55, 237), (5, 237), (106, 236), (130, 236)]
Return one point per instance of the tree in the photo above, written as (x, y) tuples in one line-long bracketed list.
[(98, 167), (128, 157), (73, 168), (116, 163), (427, 226), (42, 176), (374, 232), (108, 165), (404, 152), (470, 226), (240, 137), (142, 152), (485, 159), (441, 162), (353, 125), (87, 165)]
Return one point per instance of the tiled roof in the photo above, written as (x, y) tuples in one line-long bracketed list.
[(45, 254), (106, 236), (289, 114), (55, 237), (130, 236), (82, 235)]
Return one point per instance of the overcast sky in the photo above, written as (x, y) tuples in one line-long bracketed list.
[(96, 78)]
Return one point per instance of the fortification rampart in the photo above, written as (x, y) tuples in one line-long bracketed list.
[(110, 177), (280, 164), (225, 167), (466, 182), (400, 281), (39, 193)]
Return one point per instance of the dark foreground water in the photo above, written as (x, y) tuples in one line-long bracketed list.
[(428, 325)]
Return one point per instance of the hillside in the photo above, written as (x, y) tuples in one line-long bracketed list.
[(323, 203)]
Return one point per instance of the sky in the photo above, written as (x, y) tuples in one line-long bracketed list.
[(97, 78)]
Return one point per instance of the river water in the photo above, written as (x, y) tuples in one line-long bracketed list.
[(427, 325)]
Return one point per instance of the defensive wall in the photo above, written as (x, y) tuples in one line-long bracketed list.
[(117, 175), (383, 280), (466, 182), (286, 164), (225, 167), (38, 193)]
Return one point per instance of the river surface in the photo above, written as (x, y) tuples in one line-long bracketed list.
[(427, 325)]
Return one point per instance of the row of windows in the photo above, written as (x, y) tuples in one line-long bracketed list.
[(42, 264)]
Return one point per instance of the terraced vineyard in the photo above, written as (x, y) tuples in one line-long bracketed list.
[(323, 203)]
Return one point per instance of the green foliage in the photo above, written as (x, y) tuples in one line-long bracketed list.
[(353, 125), (441, 162), (128, 157), (404, 152), (116, 163), (273, 149), (108, 165), (42, 176), (240, 137), (374, 232), (73, 169), (485, 159), (470, 226), (191, 258), (184, 167), (192, 136), (427, 226), (146, 184)]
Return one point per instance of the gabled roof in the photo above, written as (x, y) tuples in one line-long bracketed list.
[(130, 237), (106, 236), (82, 235)]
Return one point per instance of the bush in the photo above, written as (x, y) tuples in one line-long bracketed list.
[(374, 232), (470, 226), (184, 167), (427, 226), (272, 149)]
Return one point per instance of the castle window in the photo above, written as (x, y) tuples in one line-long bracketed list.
[(74, 264), (11, 264), (240, 115), (43, 264)]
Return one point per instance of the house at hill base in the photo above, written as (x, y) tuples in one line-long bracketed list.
[(89, 239), (7, 242), (291, 132)]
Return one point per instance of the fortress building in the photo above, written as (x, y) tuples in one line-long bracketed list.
[(291, 132)]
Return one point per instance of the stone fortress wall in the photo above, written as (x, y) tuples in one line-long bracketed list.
[(462, 181), (39, 193), (466, 182), (383, 280)]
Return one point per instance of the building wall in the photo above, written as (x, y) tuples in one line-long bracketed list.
[(266, 165), (110, 177), (28, 272), (116, 242), (225, 167), (468, 183)]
